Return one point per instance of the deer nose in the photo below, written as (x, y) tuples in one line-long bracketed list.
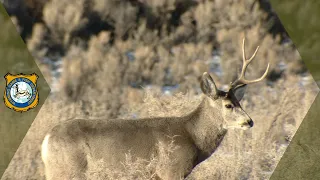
[(250, 122)]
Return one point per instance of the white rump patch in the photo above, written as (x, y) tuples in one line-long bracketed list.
[(44, 149)]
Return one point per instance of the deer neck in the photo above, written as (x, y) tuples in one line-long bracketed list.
[(205, 127)]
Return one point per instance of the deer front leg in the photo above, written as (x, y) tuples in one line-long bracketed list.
[(175, 161)]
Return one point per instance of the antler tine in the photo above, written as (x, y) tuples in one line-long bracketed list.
[(244, 81), (245, 64), (244, 52)]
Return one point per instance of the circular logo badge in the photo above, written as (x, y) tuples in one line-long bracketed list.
[(21, 92)]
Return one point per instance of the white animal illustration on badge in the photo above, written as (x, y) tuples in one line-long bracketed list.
[(21, 93), (67, 146)]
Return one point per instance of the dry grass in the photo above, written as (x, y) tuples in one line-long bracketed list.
[(277, 112), (73, 18), (118, 56), (135, 168)]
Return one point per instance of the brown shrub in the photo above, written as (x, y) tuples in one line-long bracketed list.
[(64, 18)]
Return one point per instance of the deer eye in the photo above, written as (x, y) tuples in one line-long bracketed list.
[(229, 106)]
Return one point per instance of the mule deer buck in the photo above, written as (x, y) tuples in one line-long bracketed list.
[(66, 148)]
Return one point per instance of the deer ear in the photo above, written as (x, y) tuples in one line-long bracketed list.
[(239, 91), (207, 85)]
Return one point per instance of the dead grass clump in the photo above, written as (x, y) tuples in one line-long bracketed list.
[(65, 18), (122, 15), (133, 167), (39, 42), (74, 75), (159, 105)]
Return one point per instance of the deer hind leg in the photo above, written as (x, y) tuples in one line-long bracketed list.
[(62, 160)]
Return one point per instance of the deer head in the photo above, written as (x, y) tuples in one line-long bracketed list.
[(228, 103)]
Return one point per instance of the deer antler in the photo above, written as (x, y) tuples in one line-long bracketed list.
[(246, 62)]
